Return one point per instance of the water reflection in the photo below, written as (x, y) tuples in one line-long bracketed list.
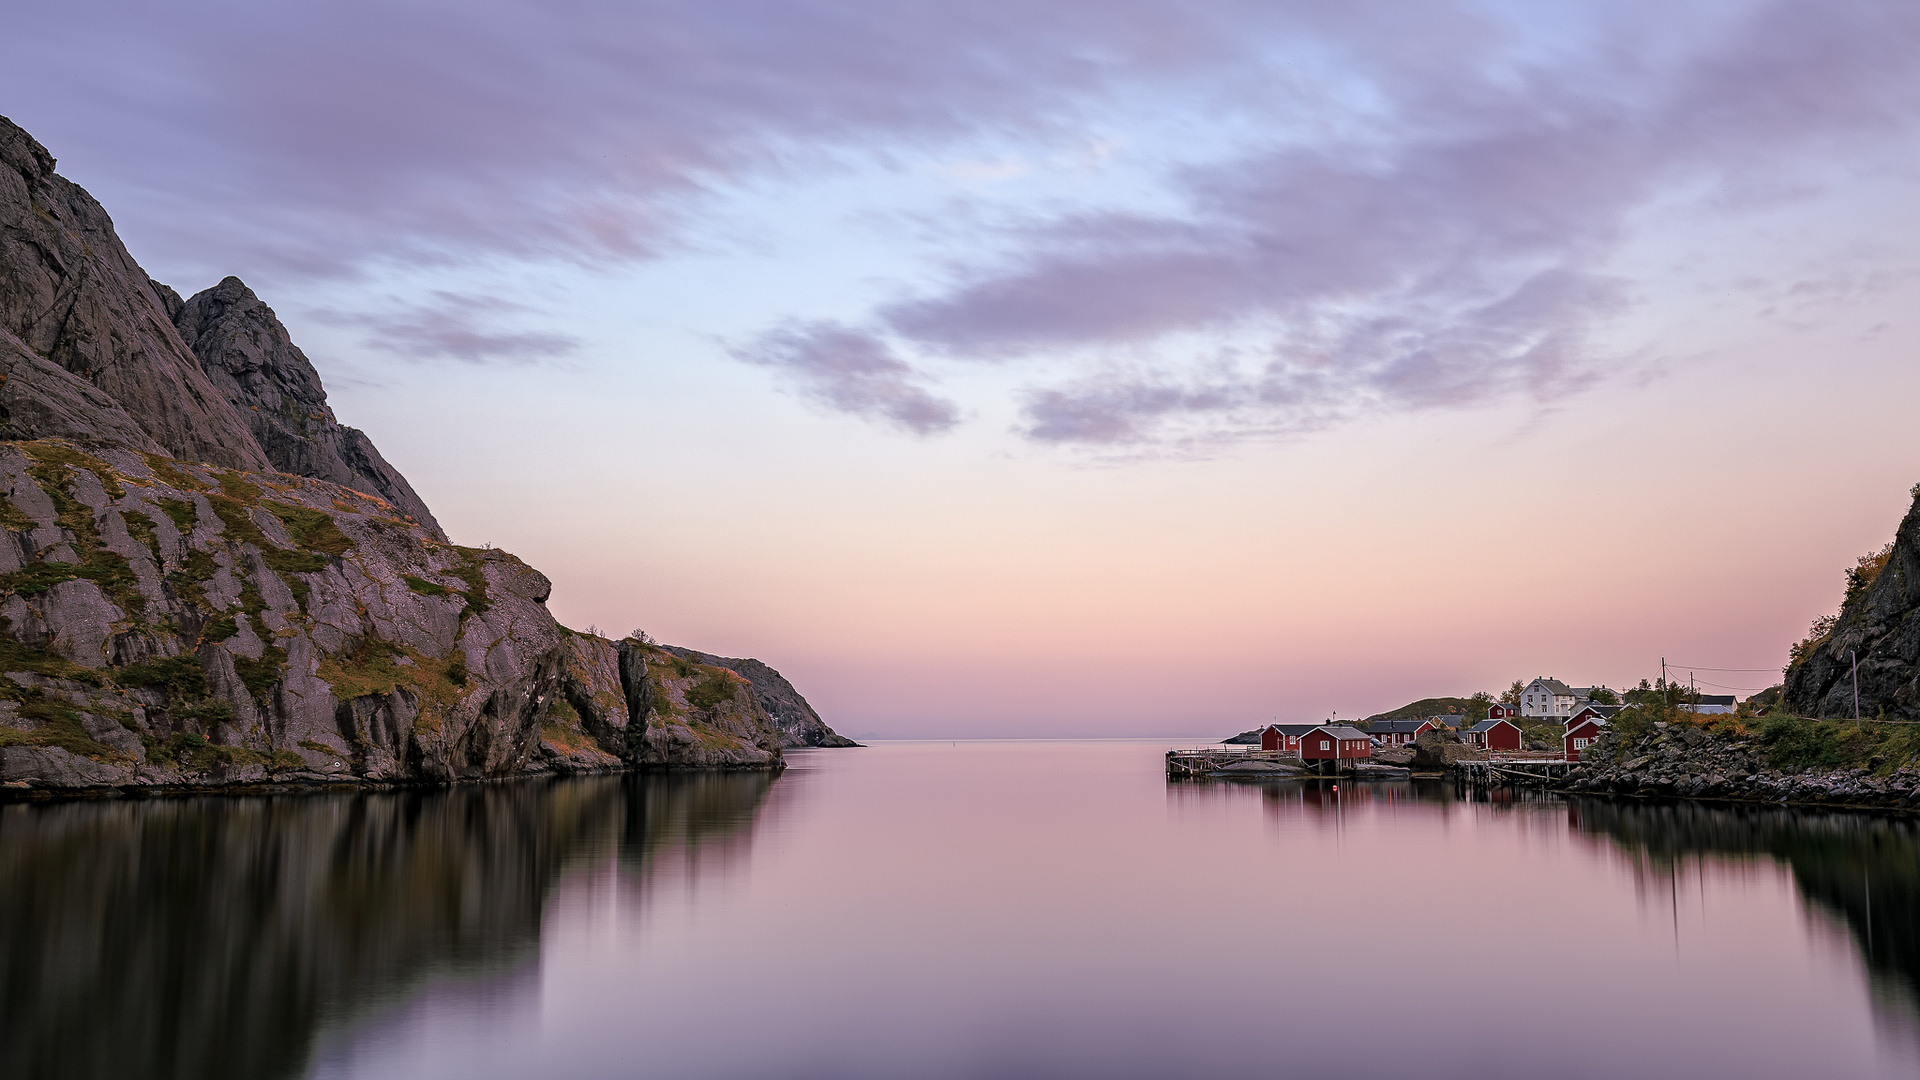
[(215, 937), (1860, 871)]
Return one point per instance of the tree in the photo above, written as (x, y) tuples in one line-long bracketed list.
[(1477, 707), (1512, 696), (1603, 696)]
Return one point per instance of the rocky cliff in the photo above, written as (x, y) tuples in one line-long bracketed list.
[(1879, 623), (799, 725), (175, 612), (165, 623), (248, 356), (89, 351)]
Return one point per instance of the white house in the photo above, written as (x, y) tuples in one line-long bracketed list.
[(1548, 697)]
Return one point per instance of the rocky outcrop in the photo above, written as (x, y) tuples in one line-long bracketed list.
[(72, 297), (249, 357), (172, 624), (1880, 625), (1689, 761), (799, 725), (173, 612)]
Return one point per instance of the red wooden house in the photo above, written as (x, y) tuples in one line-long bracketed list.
[(1335, 742), (1498, 711), (1400, 732), (1284, 738), (1495, 734), (1581, 731)]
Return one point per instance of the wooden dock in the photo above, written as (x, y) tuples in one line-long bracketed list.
[(1507, 770), (1203, 761)]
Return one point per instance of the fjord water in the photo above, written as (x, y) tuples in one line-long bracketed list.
[(976, 909)]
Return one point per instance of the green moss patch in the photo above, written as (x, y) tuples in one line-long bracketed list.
[(713, 688), (167, 471), (262, 675), (425, 587), (179, 676), (184, 513), (13, 519)]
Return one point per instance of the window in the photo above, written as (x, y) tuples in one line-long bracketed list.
[(1324, 744), (1579, 744)]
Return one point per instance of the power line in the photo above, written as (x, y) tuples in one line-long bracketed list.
[(1696, 667)]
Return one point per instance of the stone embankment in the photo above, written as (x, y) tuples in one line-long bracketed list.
[(1688, 761)]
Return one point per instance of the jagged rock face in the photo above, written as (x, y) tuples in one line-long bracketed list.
[(699, 715), (72, 298), (249, 357), (1882, 627), (172, 623), (799, 725)]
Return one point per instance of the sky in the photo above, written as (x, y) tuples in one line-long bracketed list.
[(1050, 368)]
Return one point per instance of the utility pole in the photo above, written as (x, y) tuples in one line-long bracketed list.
[(1663, 673), (1854, 653)]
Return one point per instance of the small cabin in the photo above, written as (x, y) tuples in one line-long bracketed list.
[(1581, 733), (1497, 711), (1284, 738), (1335, 742), (1500, 734), (1400, 732)]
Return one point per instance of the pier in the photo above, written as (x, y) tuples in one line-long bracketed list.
[(1204, 760), (1504, 770)]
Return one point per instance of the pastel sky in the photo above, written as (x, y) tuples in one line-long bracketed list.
[(1056, 367)]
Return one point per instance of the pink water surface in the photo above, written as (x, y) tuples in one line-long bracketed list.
[(1060, 909)]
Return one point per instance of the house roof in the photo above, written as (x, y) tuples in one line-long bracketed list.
[(1391, 727), (1581, 719), (1295, 730), (1340, 731), (1555, 687)]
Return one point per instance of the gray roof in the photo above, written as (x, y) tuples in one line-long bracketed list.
[(1340, 731), (1489, 725), (1556, 687), (1387, 727)]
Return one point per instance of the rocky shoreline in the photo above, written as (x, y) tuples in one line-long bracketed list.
[(1690, 762)]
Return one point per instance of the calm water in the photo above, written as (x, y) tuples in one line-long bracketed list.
[(992, 909)]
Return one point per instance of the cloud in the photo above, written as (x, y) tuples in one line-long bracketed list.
[(451, 328), (851, 372), (1420, 213), (1460, 261)]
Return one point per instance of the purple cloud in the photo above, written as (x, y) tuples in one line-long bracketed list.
[(851, 372), (452, 327), (1430, 224), (1461, 261)]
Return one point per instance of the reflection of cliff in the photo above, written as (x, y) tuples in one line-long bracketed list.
[(1863, 870), (212, 937)]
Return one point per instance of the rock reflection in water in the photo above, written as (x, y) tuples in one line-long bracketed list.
[(214, 937), (1860, 870)]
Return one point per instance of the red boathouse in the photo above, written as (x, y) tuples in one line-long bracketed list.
[(1500, 734), (1284, 738), (1335, 742), (1580, 735)]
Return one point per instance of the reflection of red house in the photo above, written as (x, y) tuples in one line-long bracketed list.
[(1580, 734), (1284, 738), (1333, 742), (1499, 734)]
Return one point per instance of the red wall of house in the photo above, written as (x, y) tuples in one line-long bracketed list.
[(1503, 736), (1271, 740), (1339, 748), (1585, 730)]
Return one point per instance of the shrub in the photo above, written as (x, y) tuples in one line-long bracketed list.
[(712, 689)]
